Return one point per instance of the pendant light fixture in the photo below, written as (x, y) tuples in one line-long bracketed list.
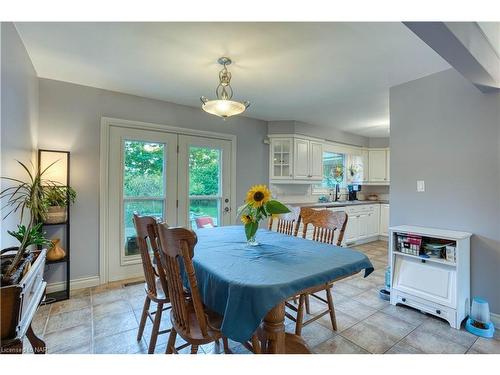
[(223, 106)]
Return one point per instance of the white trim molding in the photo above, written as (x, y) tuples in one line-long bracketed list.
[(495, 318), (84, 282)]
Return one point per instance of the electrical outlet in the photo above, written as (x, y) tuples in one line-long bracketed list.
[(420, 186)]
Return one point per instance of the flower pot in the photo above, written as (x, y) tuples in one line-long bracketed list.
[(56, 252), (20, 302), (6, 259), (56, 215)]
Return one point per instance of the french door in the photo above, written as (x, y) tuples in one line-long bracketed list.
[(204, 182), (183, 180)]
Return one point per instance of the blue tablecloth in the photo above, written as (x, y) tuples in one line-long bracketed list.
[(243, 282)]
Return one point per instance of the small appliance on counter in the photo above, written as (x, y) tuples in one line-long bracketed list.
[(353, 191), (479, 322)]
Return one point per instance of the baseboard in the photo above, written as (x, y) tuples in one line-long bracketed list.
[(84, 282), (495, 318)]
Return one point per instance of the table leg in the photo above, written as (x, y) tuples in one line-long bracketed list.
[(274, 330), (37, 343)]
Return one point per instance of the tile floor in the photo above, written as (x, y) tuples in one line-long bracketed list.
[(105, 320)]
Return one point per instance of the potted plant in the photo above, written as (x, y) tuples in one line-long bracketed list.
[(57, 198), (22, 267)]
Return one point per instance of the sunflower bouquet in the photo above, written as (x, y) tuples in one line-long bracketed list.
[(258, 205)]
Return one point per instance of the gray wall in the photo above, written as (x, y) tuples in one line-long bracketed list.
[(330, 134), (378, 142), (19, 115), (70, 117), (446, 132)]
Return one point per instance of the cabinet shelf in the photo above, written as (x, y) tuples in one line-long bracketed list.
[(430, 260)]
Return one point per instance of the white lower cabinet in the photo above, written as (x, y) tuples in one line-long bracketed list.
[(384, 220), (362, 223)]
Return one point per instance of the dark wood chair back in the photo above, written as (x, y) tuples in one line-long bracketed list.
[(286, 223), (325, 223), (177, 245), (145, 227)]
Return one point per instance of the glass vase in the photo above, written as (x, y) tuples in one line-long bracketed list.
[(252, 241)]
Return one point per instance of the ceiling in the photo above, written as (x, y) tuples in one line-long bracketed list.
[(327, 74)]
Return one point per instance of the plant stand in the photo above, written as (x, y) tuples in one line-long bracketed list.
[(19, 305)]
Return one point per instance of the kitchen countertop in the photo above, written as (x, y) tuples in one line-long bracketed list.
[(337, 204)]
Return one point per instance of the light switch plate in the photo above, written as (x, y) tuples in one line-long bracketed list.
[(420, 186)]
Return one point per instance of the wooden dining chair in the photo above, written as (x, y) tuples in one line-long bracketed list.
[(286, 223), (190, 319), (156, 282), (325, 223)]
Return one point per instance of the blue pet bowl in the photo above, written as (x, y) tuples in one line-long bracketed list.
[(487, 332)]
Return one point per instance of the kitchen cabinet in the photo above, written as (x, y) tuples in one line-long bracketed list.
[(295, 160), (384, 219), (362, 223), (357, 168), (281, 159), (316, 160), (378, 166), (374, 221)]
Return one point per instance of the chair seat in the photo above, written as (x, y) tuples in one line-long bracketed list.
[(194, 335)]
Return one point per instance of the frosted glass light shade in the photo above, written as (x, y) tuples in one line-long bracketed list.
[(58, 172), (223, 108)]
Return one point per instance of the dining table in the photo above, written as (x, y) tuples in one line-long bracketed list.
[(248, 285)]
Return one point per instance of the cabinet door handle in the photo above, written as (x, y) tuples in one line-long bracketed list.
[(438, 311), (403, 299)]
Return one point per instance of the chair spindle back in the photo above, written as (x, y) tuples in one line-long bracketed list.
[(146, 231), (177, 245), (287, 223), (325, 223)]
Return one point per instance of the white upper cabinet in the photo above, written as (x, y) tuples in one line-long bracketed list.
[(357, 167), (295, 160), (377, 168), (388, 164), (316, 160), (281, 159), (301, 159)]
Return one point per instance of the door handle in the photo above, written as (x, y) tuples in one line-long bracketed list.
[(227, 209)]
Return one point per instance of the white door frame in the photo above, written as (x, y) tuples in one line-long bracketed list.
[(106, 123)]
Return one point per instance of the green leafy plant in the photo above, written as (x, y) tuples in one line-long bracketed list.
[(59, 196), (26, 196), (34, 235)]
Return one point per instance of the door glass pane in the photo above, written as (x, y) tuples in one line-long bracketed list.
[(204, 171), (204, 213), (143, 169), (148, 207), (204, 186), (143, 186)]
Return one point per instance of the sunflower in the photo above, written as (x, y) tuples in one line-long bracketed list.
[(246, 219), (258, 195)]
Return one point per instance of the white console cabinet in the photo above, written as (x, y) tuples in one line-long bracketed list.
[(436, 286)]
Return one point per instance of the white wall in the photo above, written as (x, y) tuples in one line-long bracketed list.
[(446, 132), (70, 118), (19, 116)]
